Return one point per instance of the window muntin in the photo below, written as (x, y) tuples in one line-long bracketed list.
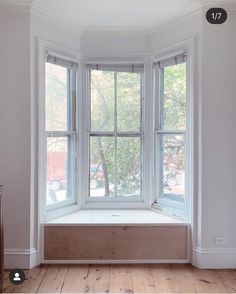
[(115, 135), (171, 131), (60, 96)]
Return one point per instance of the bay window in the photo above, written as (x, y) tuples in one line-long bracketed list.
[(113, 159)]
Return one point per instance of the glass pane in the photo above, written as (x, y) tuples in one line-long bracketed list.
[(128, 101), (56, 98), (128, 167), (174, 104), (58, 187), (172, 167), (102, 100), (102, 160)]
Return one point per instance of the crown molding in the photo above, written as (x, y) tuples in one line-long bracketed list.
[(189, 11), (45, 14), (16, 2), (229, 5), (180, 19), (16, 6), (123, 31), (217, 2)]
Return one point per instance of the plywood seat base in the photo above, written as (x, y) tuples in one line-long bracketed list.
[(94, 243)]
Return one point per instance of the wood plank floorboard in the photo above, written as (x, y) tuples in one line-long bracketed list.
[(120, 279), (164, 278), (153, 278), (76, 279), (98, 279), (53, 280)]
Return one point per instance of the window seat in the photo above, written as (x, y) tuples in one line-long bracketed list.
[(115, 236), (116, 217)]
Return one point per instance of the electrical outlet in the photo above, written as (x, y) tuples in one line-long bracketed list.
[(220, 241)]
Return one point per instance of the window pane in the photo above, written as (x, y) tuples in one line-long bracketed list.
[(56, 99), (102, 100), (128, 169), (128, 101), (58, 171), (102, 160), (173, 106), (172, 167)]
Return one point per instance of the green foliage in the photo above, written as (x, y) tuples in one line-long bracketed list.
[(174, 108), (173, 118), (119, 157)]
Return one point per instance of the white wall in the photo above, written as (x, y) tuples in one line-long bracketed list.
[(18, 129), (15, 131), (218, 105), (115, 44)]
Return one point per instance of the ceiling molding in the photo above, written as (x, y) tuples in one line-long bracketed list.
[(45, 14), (181, 19), (217, 2), (122, 31), (16, 2), (229, 5), (190, 11), (15, 6)]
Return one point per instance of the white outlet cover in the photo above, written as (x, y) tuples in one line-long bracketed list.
[(220, 241)]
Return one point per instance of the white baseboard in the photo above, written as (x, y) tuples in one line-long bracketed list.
[(204, 258), (115, 261), (214, 258), (20, 258)]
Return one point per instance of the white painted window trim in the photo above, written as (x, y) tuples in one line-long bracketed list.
[(188, 47), (87, 202), (70, 205), (139, 135)]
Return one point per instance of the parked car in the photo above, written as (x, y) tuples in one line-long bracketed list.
[(56, 183)]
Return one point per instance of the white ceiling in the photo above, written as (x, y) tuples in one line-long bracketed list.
[(110, 15)]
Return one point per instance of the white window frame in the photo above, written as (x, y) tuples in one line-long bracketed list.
[(85, 201), (138, 134), (50, 211), (82, 200), (165, 206)]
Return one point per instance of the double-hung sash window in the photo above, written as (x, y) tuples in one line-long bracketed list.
[(115, 131), (170, 134), (60, 131), (113, 144)]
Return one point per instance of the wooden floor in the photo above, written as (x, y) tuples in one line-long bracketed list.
[(165, 278)]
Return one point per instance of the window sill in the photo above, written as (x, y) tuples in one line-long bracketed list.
[(60, 212), (169, 209), (116, 217)]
